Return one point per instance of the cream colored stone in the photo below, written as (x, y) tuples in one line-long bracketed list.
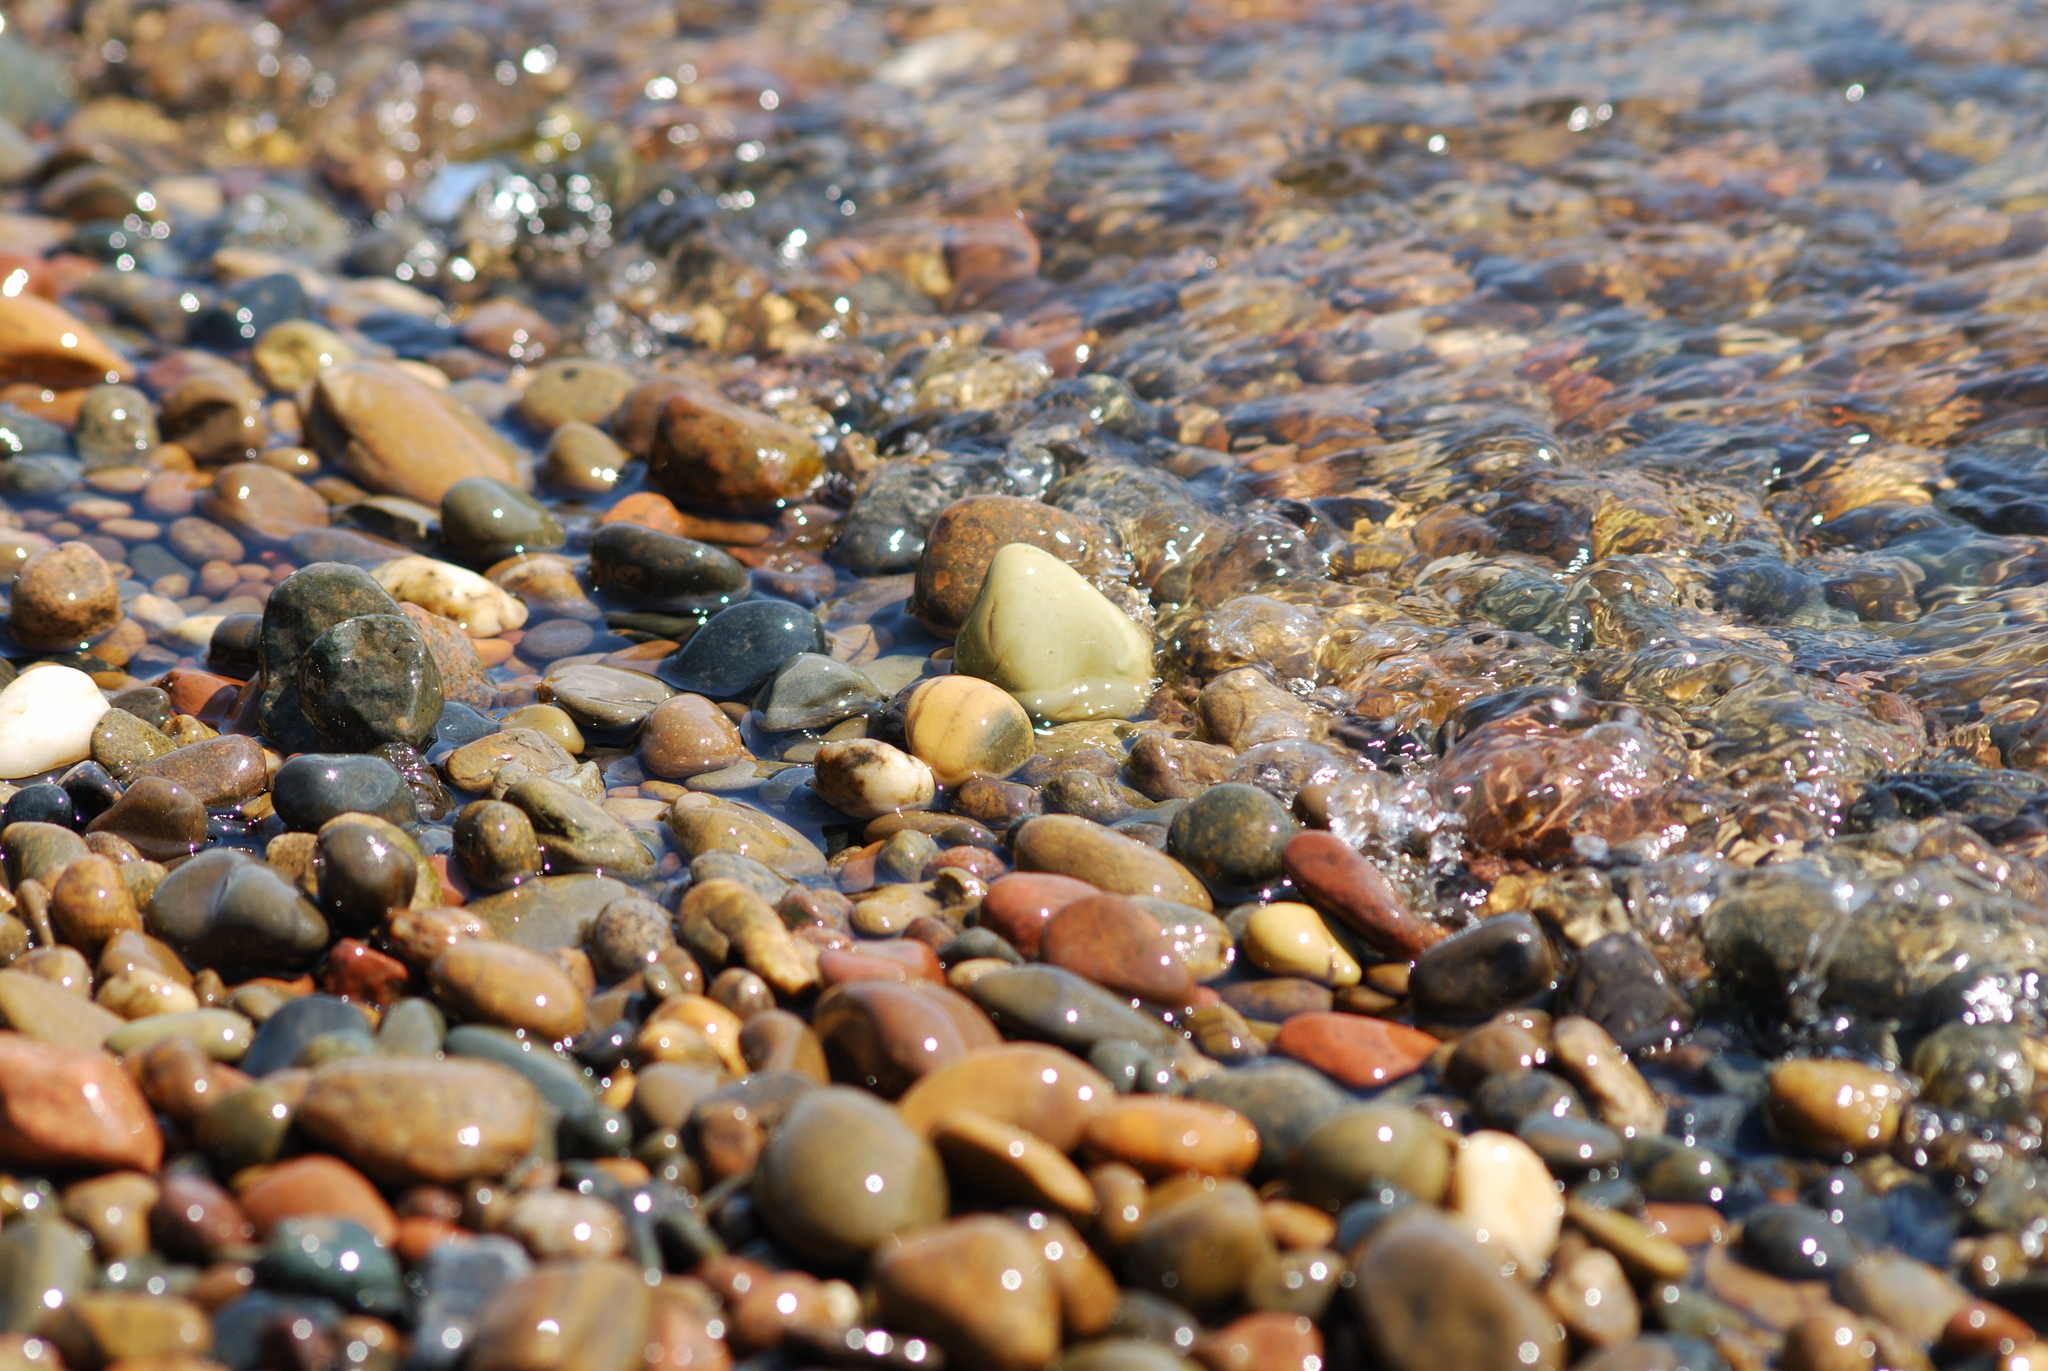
[(1041, 632), (46, 720), (1290, 939), (865, 778), (1503, 1189), (484, 610)]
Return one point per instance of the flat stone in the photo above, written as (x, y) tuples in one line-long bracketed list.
[(1119, 946), (218, 772), (411, 1120), (1161, 1136), (51, 1013), (485, 521), (72, 1107), (1045, 1090), (844, 1174), (1049, 1003), (314, 787), (886, 1035), (1201, 1247), (740, 647), (706, 823), (548, 912), (392, 434), (1353, 1049), (661, 572), (481, 608), (1344, 885), (500, 983), (1068, 846)]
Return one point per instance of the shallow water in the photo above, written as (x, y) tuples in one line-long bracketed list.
[(1620, 432)]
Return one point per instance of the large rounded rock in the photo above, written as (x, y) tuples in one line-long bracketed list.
[(1232, 836), (369, 681), (393, 434), (300, 609), (843, 1174), (416, 1120), (47, 717), (225, 909), (709, 451), (1429, 1297), (72, 1107), (1041, 632), (314, 787), (741, 647), (62, 599), (659, 571), (978, 1288)]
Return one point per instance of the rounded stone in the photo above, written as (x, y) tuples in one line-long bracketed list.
[(707, 450), (1290, 939), (1116, 944), (1232, 836), (1041, 632), (485, 520), (963, 727), (314, 787), (503, 984), (496, 844), (843, 1174), (659, 571), (582, 460), (740, 647), (1428, 1297), (813, 691), (576, 390), (363, 875), (968, 533), (1366, 1147), (63, 598), (976, 1286), (1503, 961), (369, 681), (865, 777), (413, 1120)]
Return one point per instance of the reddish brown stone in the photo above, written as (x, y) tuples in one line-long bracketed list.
[(1353, 1049), (179, 1079), (195, 1220), (72, 1107), (356, 971), (316, 1185), (966, 537), (1351, 889), (1114, 943), (888, 959), (885, 1036), (1018, 906), (1268, 1341)]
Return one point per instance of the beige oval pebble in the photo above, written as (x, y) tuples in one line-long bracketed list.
[(1504, 1190), (865, 777), (1290, 939)]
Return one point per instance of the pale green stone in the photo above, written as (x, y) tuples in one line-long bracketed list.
[(1055, 642)]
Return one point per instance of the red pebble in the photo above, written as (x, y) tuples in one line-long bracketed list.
[(1354, 1049)]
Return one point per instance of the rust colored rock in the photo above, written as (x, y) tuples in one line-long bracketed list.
[(1269, 1340), (316, 1185), (1019, 905), (72, 1107), (1350, 889), (62, 597), (885, 1035), (411, 1119), (1164, 1136), (1049, 1091), (1116, 944), (1354, 1049), (977, 1287), (710, 451), (968, 533)]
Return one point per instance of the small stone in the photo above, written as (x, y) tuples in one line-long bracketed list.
[(482, 609), (46, 345), (1052, 1003), (561, 1223), (335, 1258), (1834, 1107), (226, 910), (1201, 1245), (1019, 905), (72, 1107), (708, 451), (706, 823), (53, 1013), (369, 681), (297, 1025), (1353, 1049), (1502, 961), (1795, 1243), (1428, 1297), (500, 983), (887, 1034), (1041, 632), (577, 390), (1620, 986), (199, 541), (1232, 836), (263, 504), (1619, 1095), (609, 703), (106, 1328), (391, 434), (813, 691), (740, 647), (1119, 946), (1010, 1164), (843, 1174), (976, 1287), (966, 537), (1160, 1136), (91, 903), (47, 716), (1069, 846), (302, 607), (412, 1120), (1503, 1189), (218, 772), (659, 571), (116, 427), (1291, 939), (496, 844), (582, 460), (570, 1315), (1368, 1146), (292, 354), (1344, 885), (963, 727), (315, 787), (121, 743), (1591, 1297), (1052, 1094), (865, 777)]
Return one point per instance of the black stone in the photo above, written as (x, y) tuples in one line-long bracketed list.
[(1506, 1098), (741, 647), (312, 788), (1503, 961), (236, 647), (1796, 1243), (226, 909), (460, 724), (236, 320), (41, 803), (658, 571), (301, 607), (367, 681), (93, 792), (1620, 986), (284, 1034)]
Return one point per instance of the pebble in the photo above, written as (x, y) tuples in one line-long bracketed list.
[(1042, 633), (576, 390), (844, 1174), (52, 1013), (1834, 1107), (499, 983), (608, 703), (1354, 1049), (315, 1186), (1051, 1003), (812, 691), (62, 598), (1502, 1188), (582, 460), (218, 772), (1501, 962), (1019, 905), (1352, 1154), (1117, 945), (1428, 1296), (1290, 939), (706, 823), (1232, 836), (977, 1287), (1008, 1163), (1069, 846), (291, 354), (1795, 1243), (658, 571), (864, 777), (485, 521), (963, 728), (1619, 984), (302, 607), (740, 647), (91, 903), (47, 717), (393, 435), (886, 1034), (314, 787), (227, 910), (1592, 1299), (297, 1025), (1351, 890), (1050, 1093), (1165, 1137), (482, 609), (414, 1120), (968, 534), (709, 451), (72, 1107), (1619, 1095)]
